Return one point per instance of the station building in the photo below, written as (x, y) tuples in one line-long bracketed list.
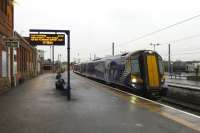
[(25, 60), (6, 54), (17, 64)]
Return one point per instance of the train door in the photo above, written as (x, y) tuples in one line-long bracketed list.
[(143, 70), (113, 71), (106, 73), (152, 71)]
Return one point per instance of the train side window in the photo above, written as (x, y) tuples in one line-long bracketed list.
[(135, 68)]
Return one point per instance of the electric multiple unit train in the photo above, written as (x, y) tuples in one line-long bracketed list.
[(141, 71)]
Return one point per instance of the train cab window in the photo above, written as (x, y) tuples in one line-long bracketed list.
[(135, 68), (161, 67)]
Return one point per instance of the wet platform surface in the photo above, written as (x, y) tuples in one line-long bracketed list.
[(37, 107)]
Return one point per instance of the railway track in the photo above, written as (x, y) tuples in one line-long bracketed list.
[(194, 109), (183, 97)]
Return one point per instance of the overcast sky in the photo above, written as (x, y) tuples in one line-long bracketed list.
[(95, 24)]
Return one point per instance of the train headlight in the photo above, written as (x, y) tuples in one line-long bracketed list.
[(134, 80)]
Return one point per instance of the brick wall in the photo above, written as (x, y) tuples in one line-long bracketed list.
[(26, 59), (6, 30), (0, 57)]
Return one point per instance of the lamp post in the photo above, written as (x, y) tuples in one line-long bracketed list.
[(154, 45), (113, 49)]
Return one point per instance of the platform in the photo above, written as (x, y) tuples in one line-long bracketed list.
[(37, 107)]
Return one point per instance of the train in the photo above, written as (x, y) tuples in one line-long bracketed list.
[(141, 71)]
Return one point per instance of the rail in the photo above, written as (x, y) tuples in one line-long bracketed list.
[(184, 86), (176, 76), (184, 95)]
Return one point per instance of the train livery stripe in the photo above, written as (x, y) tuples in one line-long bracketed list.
[(152, 71)]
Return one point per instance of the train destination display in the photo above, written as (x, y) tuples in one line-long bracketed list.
[(47, 39)]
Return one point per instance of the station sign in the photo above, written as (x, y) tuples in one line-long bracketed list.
[(47, 39), (11, 42)]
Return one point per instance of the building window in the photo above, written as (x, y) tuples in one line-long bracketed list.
[(3, 5), (4, 64)]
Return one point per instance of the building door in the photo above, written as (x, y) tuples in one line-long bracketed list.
[(14, 66)]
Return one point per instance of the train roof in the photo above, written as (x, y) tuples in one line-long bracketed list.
[(125, 55)]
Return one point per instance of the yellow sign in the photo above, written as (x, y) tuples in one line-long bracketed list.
[(47, 39)]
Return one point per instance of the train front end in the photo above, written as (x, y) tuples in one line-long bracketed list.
[(147, 73)]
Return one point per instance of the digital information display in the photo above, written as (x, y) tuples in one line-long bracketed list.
[(47, 39)]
